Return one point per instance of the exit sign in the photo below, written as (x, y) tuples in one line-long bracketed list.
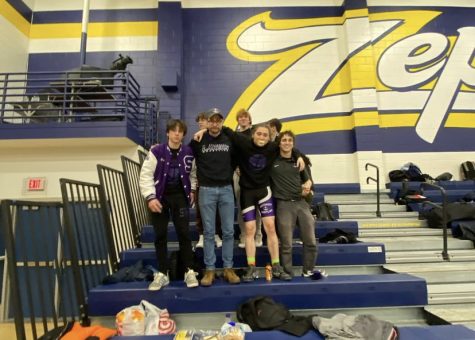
[(35, 184)]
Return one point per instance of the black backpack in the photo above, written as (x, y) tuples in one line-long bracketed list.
[(323, 211), (263, 313), (413, 172), (468, 169), (397, 176)]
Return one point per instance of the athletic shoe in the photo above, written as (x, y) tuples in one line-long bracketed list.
[(200, 242), (242, 242), (160, 280), (315, 274), (279, 273), (250, 274), (190, 278), (217, 241)]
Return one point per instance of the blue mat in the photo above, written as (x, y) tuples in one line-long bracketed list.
[(443, 332), (362, 253), (335, 291)]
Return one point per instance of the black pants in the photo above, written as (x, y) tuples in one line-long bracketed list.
[(175, 206)]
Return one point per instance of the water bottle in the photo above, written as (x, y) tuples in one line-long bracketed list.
[(268, 273), (227, 318)]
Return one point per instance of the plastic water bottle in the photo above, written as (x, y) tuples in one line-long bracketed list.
[(227, 318)]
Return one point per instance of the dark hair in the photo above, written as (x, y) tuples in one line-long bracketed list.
[(275, 123), (172, 124), (285, 133), (200, 116), (264, 125)]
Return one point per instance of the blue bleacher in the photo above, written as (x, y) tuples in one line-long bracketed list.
[(442, 332), (361, 253), (322, 229), (463, 186), (337, 188), (301, 293)]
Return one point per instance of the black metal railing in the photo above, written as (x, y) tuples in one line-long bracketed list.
[(368, 179), (85, 221), (44, 279), (139, 210), (78, 96), (445, 251), (117, 215)]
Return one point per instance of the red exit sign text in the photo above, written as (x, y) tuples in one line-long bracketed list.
[(36, 184)]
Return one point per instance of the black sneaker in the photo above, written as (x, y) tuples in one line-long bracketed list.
[(250, 274), (279, 273)]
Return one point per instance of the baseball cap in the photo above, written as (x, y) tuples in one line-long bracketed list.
[(214, 112)]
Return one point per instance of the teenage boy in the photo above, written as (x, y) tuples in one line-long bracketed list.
[(165, 184), (244, 120), (289, 186)]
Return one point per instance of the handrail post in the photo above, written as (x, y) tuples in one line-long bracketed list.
[(378, 203), (445, 252), (4, 97)]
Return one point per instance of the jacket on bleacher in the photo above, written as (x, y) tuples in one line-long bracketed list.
[(156, 165)]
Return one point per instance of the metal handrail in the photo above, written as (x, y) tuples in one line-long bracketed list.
[(445, 252), (378, 203), (83, 96)]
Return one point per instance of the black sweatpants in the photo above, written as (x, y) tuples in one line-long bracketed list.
[(175, 206)]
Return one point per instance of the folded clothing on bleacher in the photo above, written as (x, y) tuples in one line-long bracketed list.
[(359, 327), (137, 272)]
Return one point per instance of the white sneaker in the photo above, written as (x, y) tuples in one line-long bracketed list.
[(190, 279), (242, 243), (200, 242), (159, 280), (218, 241), (315, 274)]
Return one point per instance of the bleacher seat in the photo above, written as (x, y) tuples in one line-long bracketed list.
[(361, 253), (322, 228), (335, 291), (442, 332), (464, 186), (337, 188)]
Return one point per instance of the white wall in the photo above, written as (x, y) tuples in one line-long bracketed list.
[(54, 159), (14, 48)]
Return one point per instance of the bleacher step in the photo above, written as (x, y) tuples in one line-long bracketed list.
[(404, 232), (390, 223), (437, 273), (428, 256), (455, 313), (399, 243), (384, 214), (369, 198), (301, 293), (430, 267), (328, 254), (369, 208), (451, 293)]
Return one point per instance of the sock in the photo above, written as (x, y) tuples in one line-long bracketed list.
[(251, 261), (275, 261)]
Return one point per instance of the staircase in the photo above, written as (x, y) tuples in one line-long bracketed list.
[(413, 248)]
